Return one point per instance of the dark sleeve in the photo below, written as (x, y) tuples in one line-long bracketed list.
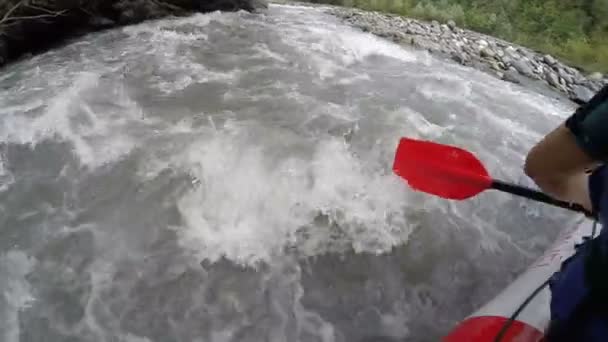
[(596, 187), (589, 124)]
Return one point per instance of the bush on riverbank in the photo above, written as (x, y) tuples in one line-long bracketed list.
[(574, 30)]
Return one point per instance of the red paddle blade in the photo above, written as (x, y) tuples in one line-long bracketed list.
[(442, 170)]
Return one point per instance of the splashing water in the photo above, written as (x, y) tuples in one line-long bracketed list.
[(227, 177)]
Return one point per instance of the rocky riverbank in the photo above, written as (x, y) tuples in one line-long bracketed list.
[(30, 26), (500, 58)]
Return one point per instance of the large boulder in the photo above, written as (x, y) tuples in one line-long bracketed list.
[(486, 52), (565, 76), (452, 25), (549, 60), (523, 67), (460, 57), (511, 75), (552, 79)]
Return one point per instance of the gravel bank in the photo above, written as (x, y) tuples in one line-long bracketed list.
[(502, 59)]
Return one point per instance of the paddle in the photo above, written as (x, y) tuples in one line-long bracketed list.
[(453, 173)]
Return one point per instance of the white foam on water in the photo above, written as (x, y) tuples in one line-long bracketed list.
[(395, 325), (15, 290), (446, 88), (175, 64), (252, 196), (133, 338), (198, 19), (54, 120), (413, 124), (332, 48), (264, 51), (248, 207), (307, 322), (6, 177), (97, 137), (22, 108), (514, 128), (354, 79), (294, 6), (358, 46)]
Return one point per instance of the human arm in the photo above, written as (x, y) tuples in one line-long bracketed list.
[(558, 162)]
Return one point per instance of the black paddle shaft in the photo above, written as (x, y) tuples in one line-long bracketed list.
[(538, 196)]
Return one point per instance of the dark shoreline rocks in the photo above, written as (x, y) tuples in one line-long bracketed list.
[(33, 26), (502, 59)]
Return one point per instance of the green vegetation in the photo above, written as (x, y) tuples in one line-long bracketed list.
[(574, 30)]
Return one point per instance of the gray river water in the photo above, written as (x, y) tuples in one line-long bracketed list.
[(227, 177)]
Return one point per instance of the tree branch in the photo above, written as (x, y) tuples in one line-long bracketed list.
[(41, 9), (11, 10), (86, 11), (7, 20)]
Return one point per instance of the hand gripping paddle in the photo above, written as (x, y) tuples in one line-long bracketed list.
[(454, 173)]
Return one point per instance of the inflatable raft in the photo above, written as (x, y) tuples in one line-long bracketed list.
[(507, 318)]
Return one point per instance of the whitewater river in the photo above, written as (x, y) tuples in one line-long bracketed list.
[(227, 177)]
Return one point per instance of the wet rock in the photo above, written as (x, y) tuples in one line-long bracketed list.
[(509, 57), (511, 52), (523, 67), (568, 79), (575, 74), (460, 57), (506, 60), (595, 86), (397, 37), (511, 75), (487, 53), (384, 33), (570, 70), (549, 60), (582, 93), (552, 79), (452, 25), (579, 79), (470, 51), (482, 44), (526, 53)]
